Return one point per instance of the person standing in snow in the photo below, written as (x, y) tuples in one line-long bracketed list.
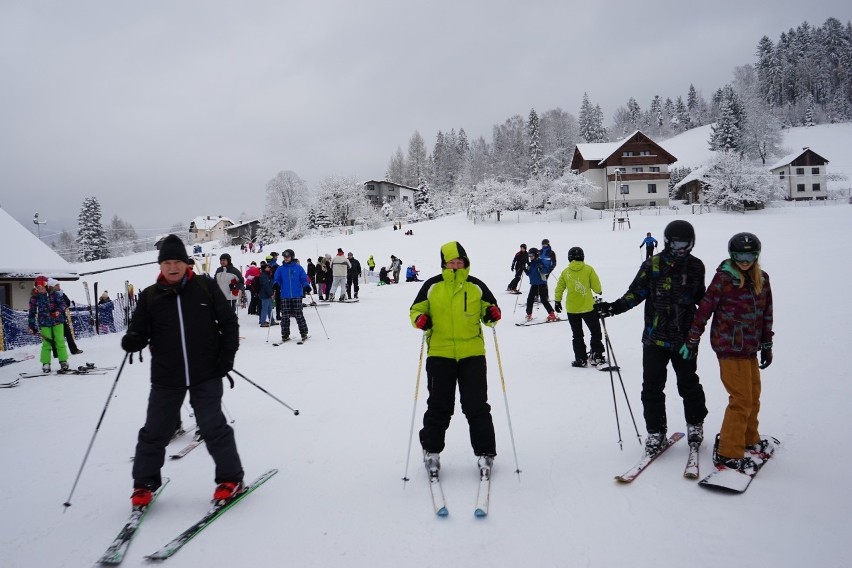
[(45, 318), (449, 308), (580, 283), (252, 272), (538, 286), (395, 268), (519, 262), (311, 270), (229, 279), (548, 259), (740, 300), (671, 284), (371, 263), (68, 331), (265, 292), (340, 266), (292, 282), (352, 276), (193, 334), (650, 243)]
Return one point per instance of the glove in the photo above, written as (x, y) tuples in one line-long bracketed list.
[(33, 330), (688, 350), (54, 315), (132, 342), (765, 357), (307, 289), (423, 322), (492, 314), (558, 307), (604, 309), (225, 364)]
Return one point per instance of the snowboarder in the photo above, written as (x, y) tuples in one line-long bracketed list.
[(292, 283), (740, 300), (229, 279), (340, 266), (538, 286), (45, 318), (519, 262), (671, 284), (650, 243), (580, 282), (449, 308), (194, 335)]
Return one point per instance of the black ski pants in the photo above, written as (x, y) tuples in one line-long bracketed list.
[(578, 342), (350, 282), (471, 375), (538, 291), (164, 404), (516, 281), (654, 362)]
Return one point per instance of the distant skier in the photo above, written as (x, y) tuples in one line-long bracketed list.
[(538, 286), (292, 282), (352, 276), (519, 262), (650, 243)]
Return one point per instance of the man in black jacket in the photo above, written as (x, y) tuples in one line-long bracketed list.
[(352, 276), (193, 335), (519, 262)]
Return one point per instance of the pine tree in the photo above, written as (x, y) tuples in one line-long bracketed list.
[(725, 134), (535, 144), (91, 237), (416, 162)]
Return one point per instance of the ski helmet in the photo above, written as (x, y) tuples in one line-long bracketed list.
[(533, 252), (576, 253), (289, 252), (679, 237), (744, 247), (225, 256)]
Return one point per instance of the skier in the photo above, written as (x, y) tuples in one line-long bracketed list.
[(229, 279), (519, 262), (352, 276), (194, 335), (650, 243), (580, 282), (671, 284), (292, 282), (340, 266), (538, 286), (312, 275), (449, 308), (371, 263), (740, 300), (395, 268), (548, 259), (45, 318)]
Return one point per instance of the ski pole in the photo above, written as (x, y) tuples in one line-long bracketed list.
[(518, 295), (228, 414), (405, 478), (613, 366), (316, 307), (506, 401), (295, 412), (100, 420)]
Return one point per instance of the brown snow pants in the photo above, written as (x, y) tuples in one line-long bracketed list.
[(741, 378)]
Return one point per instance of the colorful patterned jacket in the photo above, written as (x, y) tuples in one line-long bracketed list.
[(48, 309), (742, 319)]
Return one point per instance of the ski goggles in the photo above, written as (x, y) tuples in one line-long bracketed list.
[(744, 256), (679, 245)]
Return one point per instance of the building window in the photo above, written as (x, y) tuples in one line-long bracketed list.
[(815, 171), (628, 153), (800, 187), (625, 189), (655, 169), (645, 153), (652, 204), (800, 171), (815, 187), (638, 170), (391, 198), (781, 173), (371, 187), (391, 189), (620, 170), (652, 188)]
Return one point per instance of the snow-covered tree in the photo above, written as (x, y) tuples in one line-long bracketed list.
[(417, 160), (396, 172), (536, 154), (422, 201), (733, 181), (726, 133), (591, 122), (66, 246), (760, 136), (559, 134), (496, 196), (571, 191), (287, 198), (342, 200), (91, 237), (123, 239)]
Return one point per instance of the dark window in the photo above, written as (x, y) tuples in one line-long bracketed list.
[(628, 153), (638, 170), (371, 187), (645, 153), (654, 169), (815, 187), (815, 171), (5, 294), (652, 204), (782, 174), (800, 171), (800, 187), (625, 189), (652, 188)]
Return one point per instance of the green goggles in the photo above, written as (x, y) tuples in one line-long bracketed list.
[(744, 256)]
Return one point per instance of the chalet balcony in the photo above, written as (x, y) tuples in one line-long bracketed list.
[(644, 176)]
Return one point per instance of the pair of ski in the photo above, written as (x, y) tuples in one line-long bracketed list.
[(115, 553), (690, 472), (298, 342), (483, 493), (196, 441), (535, 322), (81, 370)]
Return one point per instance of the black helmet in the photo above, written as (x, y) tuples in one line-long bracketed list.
[(545, 242), (576, 253), (225, 256), (289, 252), (533, 251), (744, 247), (679, 237)]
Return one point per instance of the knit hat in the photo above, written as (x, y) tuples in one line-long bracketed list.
[(340, 251), (52, 282), (41, 280), (173, 248)]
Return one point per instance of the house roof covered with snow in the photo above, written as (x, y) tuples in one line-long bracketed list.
[(207, 222), (24, 256), (695, 174), (600, 152), (790, 158)]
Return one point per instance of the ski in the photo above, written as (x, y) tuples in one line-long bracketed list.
[(646, 460), (281, 342), (534, 322), (10, 384), (735, 481), (115, 553), (438, 502), (691, 470), (10, 360), (301, 341), (483, 494), (216, 510), (197, 440)]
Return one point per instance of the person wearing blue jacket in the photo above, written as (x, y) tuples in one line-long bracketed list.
[(538, 285), (650, 243), (292, 282)]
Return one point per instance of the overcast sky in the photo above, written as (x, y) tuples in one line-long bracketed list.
[(167, 109)]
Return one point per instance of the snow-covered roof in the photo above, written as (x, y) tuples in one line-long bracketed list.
[(243, 224), (24, 256), (599, 151), (207, 222), (695, 174)]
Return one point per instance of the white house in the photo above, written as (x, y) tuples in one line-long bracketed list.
[(803, 174), (631, 172), (25, 257), (208, 228), (379, 192)]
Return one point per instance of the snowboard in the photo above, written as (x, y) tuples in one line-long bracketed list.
[(735, 481)]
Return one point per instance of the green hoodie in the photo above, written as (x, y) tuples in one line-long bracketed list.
[(580, 280), (456, 302)]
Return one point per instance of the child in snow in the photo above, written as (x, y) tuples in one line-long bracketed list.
[(538, 285), (740, 300), (45, 318)]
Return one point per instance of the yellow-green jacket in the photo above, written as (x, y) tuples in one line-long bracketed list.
[(456, 302), (580, 280)]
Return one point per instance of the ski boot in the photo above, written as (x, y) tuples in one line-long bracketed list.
[(228, 490), (655, 442), (432, 461)]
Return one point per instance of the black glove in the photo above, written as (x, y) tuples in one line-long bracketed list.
[(604, 309), (558, 307), (765, 357), (689, 351), (225, 364), (132, 342), (307, 289)]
